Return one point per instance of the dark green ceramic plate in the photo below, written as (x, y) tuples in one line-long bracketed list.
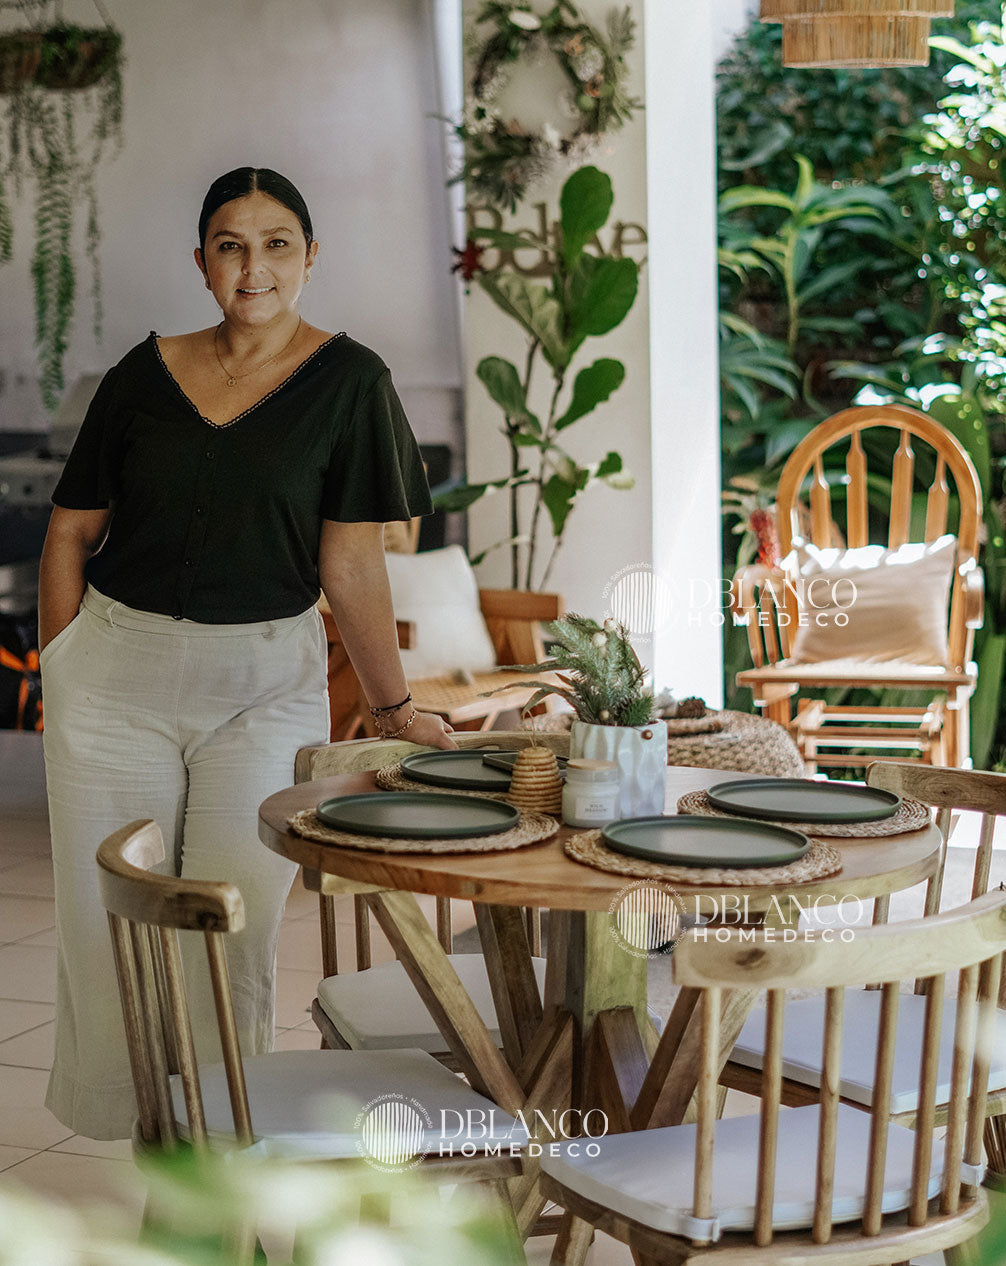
[(464, 770), (801, 800), (687, 840), (417, 815)]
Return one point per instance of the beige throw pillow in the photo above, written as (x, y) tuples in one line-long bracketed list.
[(437, 590), (872, 604)]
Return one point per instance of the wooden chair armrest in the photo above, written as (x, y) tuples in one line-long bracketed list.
[(520, 604), (974, 596)]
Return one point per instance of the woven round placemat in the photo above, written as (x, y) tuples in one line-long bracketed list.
[(819, 861), (391, 778), (912, 815), (531, 829)]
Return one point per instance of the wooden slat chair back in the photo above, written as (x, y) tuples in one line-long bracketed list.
[(361, 755), (814, 1183), (760, 594), (946, 790), (145, 914)]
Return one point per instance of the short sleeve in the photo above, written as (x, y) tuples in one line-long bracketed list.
[(376, 474), (90, 477)]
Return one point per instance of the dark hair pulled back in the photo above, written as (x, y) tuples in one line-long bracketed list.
[(245, 180)]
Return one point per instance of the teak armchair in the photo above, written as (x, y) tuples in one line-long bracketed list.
[(512, 616), (769, 607)]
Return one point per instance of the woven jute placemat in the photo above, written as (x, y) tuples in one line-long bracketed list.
[(819, 861), (532, 828), (912, 815), (391, 778)]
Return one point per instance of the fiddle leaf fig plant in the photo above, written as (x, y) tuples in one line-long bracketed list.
[(587, 294)]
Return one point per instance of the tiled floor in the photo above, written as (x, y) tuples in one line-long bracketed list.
[(36, 1151)]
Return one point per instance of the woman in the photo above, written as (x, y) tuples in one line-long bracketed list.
[(219, 477)]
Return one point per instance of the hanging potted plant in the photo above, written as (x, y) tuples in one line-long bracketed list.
[(601, 678), (59, 121)]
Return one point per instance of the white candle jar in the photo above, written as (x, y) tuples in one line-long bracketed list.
[(590, 793)]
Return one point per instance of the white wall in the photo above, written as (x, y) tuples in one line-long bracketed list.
[(338, 96)]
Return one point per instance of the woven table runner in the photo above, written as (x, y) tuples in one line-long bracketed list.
[(819, 861), (531, 829), (912, 815), (391, 778)]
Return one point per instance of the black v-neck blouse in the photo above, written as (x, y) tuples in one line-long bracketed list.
[(221, 524)]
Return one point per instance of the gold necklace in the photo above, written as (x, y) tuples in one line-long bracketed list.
[(232, 379)]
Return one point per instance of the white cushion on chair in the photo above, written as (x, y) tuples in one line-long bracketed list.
[(649, 1175), (438, 592), (804, 1035), (379, 1009), (894, 601), (309, 1102)]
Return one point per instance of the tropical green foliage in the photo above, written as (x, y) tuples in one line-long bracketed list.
[(588, 294), (600, 674), (902, 299)]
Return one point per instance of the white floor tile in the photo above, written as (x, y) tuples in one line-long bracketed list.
[(32, 878), (24, 1122), (24, 916), (83, 1180), (30, 1050), (295, 991), (302, 1039), (47, 938), (28, 973), (19, 1017), (13, 1155), (110, 1149)]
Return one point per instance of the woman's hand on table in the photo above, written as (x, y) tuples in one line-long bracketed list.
[(429, 730)]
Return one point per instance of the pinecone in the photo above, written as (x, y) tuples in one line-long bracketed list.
[(691, 709)]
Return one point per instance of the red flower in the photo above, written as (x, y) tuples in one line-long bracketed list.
[(468, 261)]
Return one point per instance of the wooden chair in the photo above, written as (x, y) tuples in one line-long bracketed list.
[(377, 1007), (513, 617), (946, 790), (762, 599), (302, 1104), (818, 1183)]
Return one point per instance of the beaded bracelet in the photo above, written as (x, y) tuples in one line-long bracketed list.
[(390, 734), (391, 707)]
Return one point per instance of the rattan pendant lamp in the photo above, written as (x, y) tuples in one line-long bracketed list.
[(855, 33)]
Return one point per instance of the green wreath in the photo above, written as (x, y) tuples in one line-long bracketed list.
[(501, 158)]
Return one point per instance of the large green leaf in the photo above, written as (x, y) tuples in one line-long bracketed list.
[(503, 383), (987, 699), (533, 307), (559, 492), (752, 196), (592, 386), (601, 293), (584, 206)]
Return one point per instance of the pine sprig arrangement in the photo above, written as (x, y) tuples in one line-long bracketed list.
[(601, 676)]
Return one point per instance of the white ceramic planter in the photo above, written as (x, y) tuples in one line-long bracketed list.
[(639, 751)]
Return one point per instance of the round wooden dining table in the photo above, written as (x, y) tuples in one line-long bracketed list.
[(589, 1042)]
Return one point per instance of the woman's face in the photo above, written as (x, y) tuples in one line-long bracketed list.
[(256, 259)]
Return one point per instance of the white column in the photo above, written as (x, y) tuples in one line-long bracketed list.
[(684, 380)]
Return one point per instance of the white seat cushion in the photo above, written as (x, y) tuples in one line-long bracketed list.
[(310, 1102), (379, 1009), (649, 1175), (804, 1034)]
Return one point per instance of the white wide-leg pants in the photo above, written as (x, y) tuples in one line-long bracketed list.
[(192, 725)]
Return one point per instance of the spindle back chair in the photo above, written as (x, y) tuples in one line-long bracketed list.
[(769, 606), (824, 1181)]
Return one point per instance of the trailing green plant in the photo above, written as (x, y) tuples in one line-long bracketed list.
[(587, 294), (600, 675), (59, 125)]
